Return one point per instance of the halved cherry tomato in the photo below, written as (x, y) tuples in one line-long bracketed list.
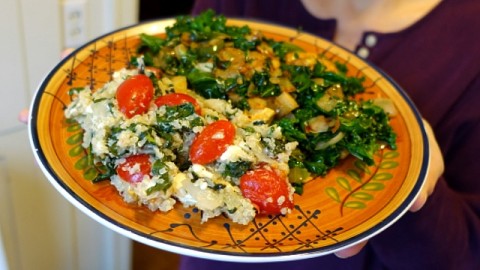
[(268, 189), (135, 168), (134, 95), (212, 142), (175, 99)]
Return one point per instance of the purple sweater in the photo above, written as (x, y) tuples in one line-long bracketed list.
[(437, 62)]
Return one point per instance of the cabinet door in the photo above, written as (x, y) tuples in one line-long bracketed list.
[(39, 229)]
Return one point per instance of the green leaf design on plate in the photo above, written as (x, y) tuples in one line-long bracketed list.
[(85, 162), (74, 128), (75, 139), (343, 182), (383, 176), (332, 193), (355, 175), (355, 205), (388, 165), (75, 151), (362, 196), (371, 179), (70, 121), (373, 186), (90, 173), (362, 166), (82, 163), (391, 155)]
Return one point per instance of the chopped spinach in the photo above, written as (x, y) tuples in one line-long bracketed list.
[(236, 169), (205, 84)]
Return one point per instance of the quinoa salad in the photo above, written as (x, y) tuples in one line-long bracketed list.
[(214, 187)]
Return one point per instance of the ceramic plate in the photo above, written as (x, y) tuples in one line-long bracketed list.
[(352, 203)]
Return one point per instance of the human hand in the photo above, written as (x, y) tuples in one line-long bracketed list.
[(23, 116), (434, 171), (350, 251)]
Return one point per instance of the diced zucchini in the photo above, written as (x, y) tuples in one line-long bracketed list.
[(298, 175), (318, 124), (179, 83), (284, 104), (257, 103)]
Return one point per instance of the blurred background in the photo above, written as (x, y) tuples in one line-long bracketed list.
[(39, 229)]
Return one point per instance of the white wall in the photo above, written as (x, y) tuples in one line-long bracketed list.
[(38, 228)]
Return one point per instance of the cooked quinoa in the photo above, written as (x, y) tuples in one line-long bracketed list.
[(111, 137)]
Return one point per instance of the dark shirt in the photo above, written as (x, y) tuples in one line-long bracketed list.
[(437, 62)]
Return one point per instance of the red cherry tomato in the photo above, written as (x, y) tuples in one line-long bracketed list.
[(175, 99), (212, 142), (134, 95), (268, 189), (135, 168)]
